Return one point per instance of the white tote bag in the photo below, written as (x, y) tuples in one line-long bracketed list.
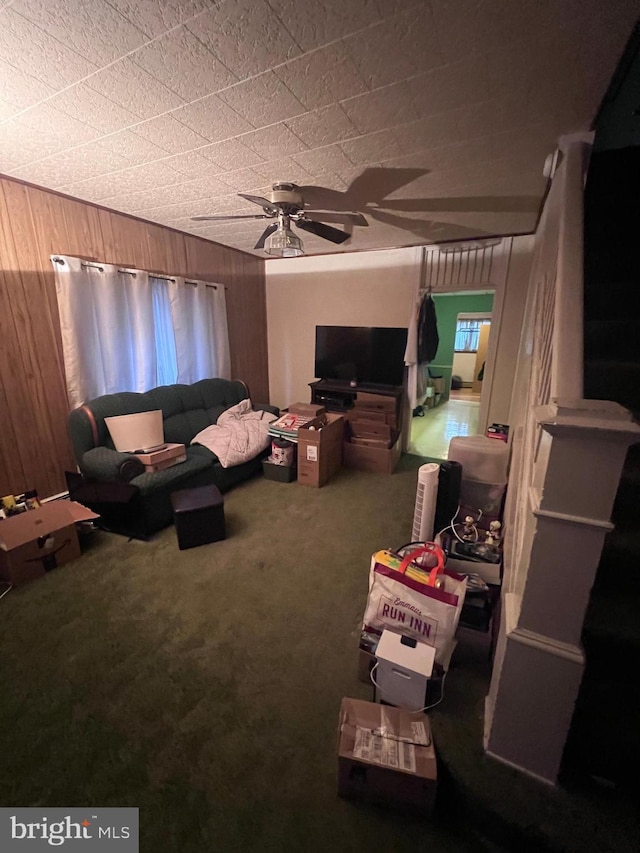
[(399, 602)]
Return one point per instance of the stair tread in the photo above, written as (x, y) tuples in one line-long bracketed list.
[(612, 617), (624, 541)]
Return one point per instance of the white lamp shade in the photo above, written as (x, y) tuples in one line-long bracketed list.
[(139, 432)]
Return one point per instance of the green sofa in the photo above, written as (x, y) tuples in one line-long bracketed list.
[(115, 485)]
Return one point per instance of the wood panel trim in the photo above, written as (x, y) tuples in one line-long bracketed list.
[(5, 177), (36, 223)]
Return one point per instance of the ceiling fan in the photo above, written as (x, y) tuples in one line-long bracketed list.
[(285, 204)]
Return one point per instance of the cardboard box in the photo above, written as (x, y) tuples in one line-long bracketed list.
[(373, 456), (386, 756), (35, 542), (375, 402), (311, 409), (166, 463), (168, 452), (367, 415), (355, 416), (320, 449), (370, 429)]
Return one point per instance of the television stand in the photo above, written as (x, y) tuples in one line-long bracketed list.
[(339, 395), (334, 396)]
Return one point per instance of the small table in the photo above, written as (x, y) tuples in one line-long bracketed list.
[(198, 516)]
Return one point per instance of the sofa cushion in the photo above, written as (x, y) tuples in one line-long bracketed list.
[(171, 478)]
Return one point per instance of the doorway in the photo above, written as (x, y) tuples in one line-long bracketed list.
[(452, 405)]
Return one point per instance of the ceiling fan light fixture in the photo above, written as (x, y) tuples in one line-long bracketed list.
[(283, 243)]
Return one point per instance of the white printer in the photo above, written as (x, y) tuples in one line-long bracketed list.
[(403, 667)]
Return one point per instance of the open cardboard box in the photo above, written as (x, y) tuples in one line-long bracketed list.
[(386, 756), (320, 449), (39, 540)]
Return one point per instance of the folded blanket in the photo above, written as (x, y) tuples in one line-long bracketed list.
[(239, 435)]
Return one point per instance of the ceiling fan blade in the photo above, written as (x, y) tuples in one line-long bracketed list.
[(325, 198), (258, 199), (427, 229), (322, 230), (341, 218), (370, 187), (266, 233), (220, 218)]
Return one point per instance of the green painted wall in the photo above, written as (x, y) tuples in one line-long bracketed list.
[(447, 310)]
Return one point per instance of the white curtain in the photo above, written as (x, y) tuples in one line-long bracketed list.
[(124, 330), (199, 314), (106, 319)]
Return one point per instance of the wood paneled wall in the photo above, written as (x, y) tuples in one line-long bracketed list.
[(34, 446)]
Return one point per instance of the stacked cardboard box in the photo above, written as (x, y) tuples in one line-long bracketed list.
[(166, 457), (372, 442)]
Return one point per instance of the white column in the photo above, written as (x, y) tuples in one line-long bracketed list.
[(539, 659)]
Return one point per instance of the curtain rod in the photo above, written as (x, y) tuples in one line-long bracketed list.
[(186, 281), (132, 273)]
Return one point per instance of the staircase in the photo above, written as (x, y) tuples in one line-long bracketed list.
[(604, 739)]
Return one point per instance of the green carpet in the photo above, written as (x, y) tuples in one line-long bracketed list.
[(203, 686)]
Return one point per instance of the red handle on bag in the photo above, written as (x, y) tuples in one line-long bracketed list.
[(427, 548)]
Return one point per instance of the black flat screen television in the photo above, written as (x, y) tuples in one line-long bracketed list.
[(366, 355)]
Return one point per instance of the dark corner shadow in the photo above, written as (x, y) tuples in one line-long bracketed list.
[(468, 204), (371, 187)]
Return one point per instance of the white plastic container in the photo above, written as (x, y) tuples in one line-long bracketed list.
[(483, 459), (484, 497)]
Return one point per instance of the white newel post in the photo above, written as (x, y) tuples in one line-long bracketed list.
[(539, 659)]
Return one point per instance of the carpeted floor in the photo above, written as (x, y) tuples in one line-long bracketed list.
[(203, 686)]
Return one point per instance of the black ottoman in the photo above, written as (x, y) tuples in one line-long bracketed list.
[(198, 515)]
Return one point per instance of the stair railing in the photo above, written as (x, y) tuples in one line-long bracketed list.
[(567, 455)]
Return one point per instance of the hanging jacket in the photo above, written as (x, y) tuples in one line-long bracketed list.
[(428, 339)]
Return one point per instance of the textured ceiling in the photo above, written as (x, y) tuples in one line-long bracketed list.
[(167, 108)]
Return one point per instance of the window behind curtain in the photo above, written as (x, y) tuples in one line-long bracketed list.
[(126, 330), (167, 370)]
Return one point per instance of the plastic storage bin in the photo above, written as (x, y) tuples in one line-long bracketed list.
[(483, 459), (280, 473)]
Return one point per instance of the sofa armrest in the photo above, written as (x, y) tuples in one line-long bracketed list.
[(266, 407), (102, 463)]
